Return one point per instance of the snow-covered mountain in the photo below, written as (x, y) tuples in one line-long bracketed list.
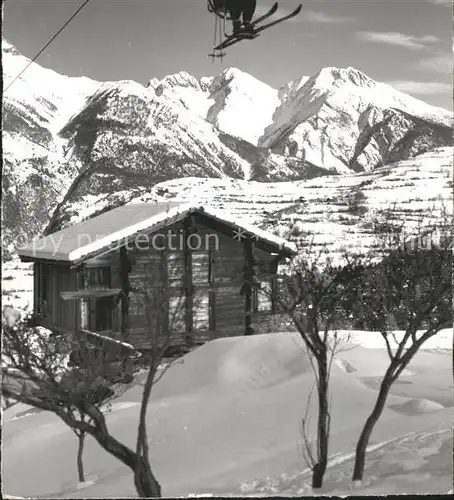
[(343, 120), (34, 108), (234, 102), (69, 140)]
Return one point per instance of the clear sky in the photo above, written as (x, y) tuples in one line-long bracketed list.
[(407, 43)]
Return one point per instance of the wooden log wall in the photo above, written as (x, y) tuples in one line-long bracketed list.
[(157, 289), (225, 261), (216, 269), (147, 314), (188, 292)]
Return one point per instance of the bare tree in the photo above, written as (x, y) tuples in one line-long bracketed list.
[(310, 456), (164, 318), (413, 285), (36, 375), (318, 294)]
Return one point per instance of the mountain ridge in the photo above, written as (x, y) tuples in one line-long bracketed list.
[(67, 139)]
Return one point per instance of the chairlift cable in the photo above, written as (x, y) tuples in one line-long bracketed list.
[(48, 43)]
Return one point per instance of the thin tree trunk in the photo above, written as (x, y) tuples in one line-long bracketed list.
[(146, 483), (80, 451), (363, 441), (149, 487), (320, 467)]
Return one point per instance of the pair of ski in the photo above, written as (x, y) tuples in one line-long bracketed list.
[(257, 27)]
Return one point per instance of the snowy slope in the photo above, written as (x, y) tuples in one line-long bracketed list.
[(244, 106), (34, 109), (239, 401), (343, 212), (53, 98)]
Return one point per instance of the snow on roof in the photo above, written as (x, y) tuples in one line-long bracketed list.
[(106, 231)]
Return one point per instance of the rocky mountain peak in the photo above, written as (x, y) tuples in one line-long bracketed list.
[(333, 77), (8, 48), (153, 83), (234, 77), (182, 79)]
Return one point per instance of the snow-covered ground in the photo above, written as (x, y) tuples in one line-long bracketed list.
[(335, 212), (17, 284), (226, 420), (443, 339), (409, 464)]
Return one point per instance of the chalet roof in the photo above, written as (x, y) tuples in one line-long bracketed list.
[(112, 229)]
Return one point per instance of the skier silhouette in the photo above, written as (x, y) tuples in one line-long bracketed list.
[(241, 12)]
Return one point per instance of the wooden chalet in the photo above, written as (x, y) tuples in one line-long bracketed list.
[(174, 268)]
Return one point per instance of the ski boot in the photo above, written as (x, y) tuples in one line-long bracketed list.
[(247, 28), (236, 27)]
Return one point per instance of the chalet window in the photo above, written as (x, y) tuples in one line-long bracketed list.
[(96, 313), (84, 314), (262, 297), (176, 310), (202, 278), (97, 277), (176, 293)]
